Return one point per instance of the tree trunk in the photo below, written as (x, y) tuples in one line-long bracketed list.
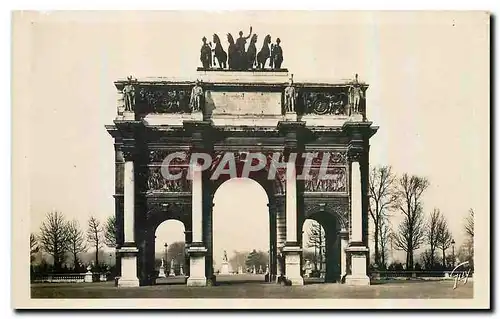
[(377, 253), (97, 256), (444, 259)]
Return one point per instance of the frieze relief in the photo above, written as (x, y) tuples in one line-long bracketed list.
[(158, 183), (336, 183), (165, 100), (321, 103)]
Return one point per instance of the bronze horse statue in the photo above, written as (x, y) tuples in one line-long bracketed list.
[(232, 53), (251, 53), (219, 52), (264, 53)]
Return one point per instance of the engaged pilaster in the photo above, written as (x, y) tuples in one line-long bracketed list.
[(128, 252), (357, 252)]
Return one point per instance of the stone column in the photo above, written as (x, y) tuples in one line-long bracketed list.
[(197, 250), (129, 251), (357, 251), (292, 249)]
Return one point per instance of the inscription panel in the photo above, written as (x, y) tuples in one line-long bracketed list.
[(244, 103)]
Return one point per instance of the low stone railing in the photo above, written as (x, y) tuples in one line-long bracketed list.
[(70, 278), (387, 274)]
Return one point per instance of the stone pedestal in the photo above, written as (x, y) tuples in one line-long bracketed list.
[(292, 265), (162, 272), (224, 268), (88, 275), (197, 266), (129, 267), (172, 272), (358, 276), (290, 116)]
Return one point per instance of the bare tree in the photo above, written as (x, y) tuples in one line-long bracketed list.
[(432, 234), (444, 237), (54, 237), (76, 241), (110, 231), (94, 236), (33, 246), (382, 197), (410, 233), (469, 224), (316, 239)]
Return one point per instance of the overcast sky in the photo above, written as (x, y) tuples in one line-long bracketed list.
[(429, 93)]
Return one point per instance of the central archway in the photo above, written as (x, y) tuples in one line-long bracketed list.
[(241, 231)]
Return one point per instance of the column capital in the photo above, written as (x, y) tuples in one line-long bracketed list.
[(356, 153)]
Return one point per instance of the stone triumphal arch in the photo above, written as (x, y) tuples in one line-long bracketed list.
[(241, 112)]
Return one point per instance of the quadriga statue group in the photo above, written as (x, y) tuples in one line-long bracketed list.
[(238, 57)]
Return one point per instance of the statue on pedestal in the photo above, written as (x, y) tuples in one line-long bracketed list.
[(161, 274), (355, 95), (129, 94), (172, 272), (290, 96), (276, 55), (225, 256), (206, 54), (196, 100)]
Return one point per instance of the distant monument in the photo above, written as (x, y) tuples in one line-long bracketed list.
[(172, 272), (240, 269), (162, 269), (224, 268)]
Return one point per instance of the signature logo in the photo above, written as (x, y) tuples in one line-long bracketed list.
[(460, 275)]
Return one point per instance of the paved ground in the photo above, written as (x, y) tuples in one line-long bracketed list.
[(253, 286)]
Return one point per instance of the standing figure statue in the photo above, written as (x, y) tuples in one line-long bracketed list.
[(225, 256), (196, 100), (206, 54), (162, 263), (232, 53), (355, 95), (264, 52), (290, 96), (129, 94), (219, 53), (276, 55), (240, 49)]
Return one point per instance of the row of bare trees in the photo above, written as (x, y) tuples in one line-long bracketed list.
[(391, 194), (61, 238)]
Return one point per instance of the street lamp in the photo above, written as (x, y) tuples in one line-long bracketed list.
[(453, 252)]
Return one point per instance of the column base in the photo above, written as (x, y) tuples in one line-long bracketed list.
[(197, 267), (128, 277), (357, 280), (122, 282), (292, 265), (358, 275)]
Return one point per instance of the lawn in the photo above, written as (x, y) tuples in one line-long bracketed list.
[(252, 286)]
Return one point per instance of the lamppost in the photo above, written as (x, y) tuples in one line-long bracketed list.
[(166, 259), (453, 252)]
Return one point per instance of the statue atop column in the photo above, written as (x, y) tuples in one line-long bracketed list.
[(129, 94), (276, 55), (206, 54), (355, 95), (196, 100), (290, 96)]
